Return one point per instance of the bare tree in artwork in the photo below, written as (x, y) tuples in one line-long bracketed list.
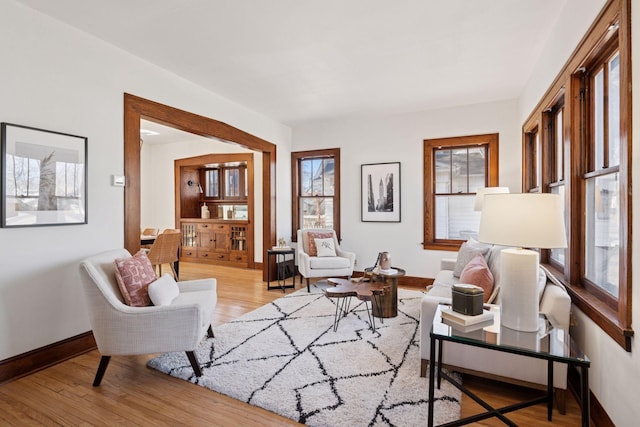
[(47, 191)]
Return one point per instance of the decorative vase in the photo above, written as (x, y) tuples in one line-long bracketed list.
[(204, 212), (385, 261)]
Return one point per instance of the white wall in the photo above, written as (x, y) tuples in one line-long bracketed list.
[(572, 24), (55, 77), (157, 196), (614, 373), (400, 139)]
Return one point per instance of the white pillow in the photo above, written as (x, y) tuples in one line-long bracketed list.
[(467, 252), (325, 247), (164, 290)]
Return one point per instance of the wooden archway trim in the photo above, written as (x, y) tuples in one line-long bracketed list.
[(136, 108)]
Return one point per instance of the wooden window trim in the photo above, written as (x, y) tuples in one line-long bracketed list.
[(529, 160), (551, 178), (491, 141), (295, 187), (550, 141), (616, 323)]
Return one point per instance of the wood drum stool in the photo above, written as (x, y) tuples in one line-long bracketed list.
[(389, 301)]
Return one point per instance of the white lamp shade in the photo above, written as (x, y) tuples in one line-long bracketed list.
[(523, 220), (481, 192)]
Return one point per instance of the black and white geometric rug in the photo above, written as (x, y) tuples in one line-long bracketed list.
[(286, 358)]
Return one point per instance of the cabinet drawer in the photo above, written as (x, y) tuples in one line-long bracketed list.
[(210, 226), (238, 256), (189, 252), (220, 227), (213, 255)]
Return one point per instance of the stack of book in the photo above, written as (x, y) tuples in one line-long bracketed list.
[(465, 323)]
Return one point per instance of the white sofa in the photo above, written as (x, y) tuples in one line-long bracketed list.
[(555, 304)]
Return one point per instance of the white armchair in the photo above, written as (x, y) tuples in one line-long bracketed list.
[(121, 330), (314, 266)]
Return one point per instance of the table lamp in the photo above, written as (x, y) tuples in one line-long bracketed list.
[(482, 191), (521, 221)]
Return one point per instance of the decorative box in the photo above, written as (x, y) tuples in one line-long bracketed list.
[(467, 299)]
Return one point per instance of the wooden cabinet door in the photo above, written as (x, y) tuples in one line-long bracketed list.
[(220, 237), (220, 241), (238, 237), (206, 239), (189, 240)]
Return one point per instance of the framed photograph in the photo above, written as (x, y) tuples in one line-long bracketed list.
[(44, 177), (380, 197)]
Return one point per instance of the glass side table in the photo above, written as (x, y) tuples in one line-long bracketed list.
[(549, 343)]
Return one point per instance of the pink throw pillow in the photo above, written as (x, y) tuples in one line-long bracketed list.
[(477, 272), (311, 238), (134, 274)]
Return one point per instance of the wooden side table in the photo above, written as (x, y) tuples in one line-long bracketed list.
[(389, 300)]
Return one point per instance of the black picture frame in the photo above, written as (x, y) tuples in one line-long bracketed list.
[(44, 177), (380, 192)]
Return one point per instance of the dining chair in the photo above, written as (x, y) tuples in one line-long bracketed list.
[(165, 250)]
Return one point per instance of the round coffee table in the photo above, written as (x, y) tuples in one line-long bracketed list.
[(369, 293)]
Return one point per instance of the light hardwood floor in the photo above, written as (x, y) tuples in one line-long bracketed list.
[(132, 394)]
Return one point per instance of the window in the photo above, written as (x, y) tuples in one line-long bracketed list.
[(212, 183), (601, 177), (69, 178), (544, 160), (226, 182), (554, 117), (315, 179), (453, 169), (586, 158)]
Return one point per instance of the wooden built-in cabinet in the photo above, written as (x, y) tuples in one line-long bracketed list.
[(214, 241), (223, 232)]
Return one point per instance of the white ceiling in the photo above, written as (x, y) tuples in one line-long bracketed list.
[(299, 60)]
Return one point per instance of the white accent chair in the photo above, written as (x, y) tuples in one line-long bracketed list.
[(122, 330), (313, 266)]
